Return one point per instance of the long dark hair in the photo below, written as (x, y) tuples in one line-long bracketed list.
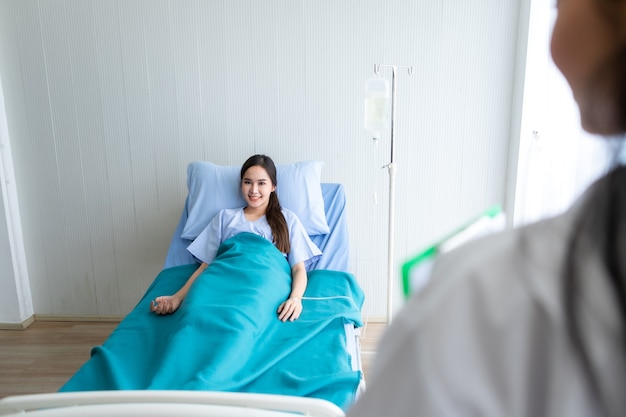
[(602, 224), (274, 214)]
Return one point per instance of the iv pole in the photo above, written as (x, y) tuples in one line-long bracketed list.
[(391, 167)]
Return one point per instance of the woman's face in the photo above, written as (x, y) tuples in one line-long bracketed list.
[(583, 43), (256, 187)]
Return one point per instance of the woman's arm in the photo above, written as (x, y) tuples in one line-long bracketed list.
[(292, 307), (167, 304)]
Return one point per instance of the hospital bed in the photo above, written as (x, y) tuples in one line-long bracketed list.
[(220, 357), (334, 246)]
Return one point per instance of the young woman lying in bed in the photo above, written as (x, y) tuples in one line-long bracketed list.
[(263, 216), (225, 335)]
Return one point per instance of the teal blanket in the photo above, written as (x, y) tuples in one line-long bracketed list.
[(226, 335)]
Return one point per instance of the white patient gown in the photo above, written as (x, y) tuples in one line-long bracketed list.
[(230, 222)]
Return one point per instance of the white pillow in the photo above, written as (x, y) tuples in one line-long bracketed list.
[(214, 187)]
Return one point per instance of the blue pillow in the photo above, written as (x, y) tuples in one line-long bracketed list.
[(215, 187)]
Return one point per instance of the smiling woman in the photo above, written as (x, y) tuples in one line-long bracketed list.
[(226, 334), (264, 216)]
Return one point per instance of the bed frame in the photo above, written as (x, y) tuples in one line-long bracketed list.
[(208, 403), (164, 403)]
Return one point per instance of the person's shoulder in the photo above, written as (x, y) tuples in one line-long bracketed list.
[(500, 270), (230, 212), (510, 252), (226, 215), (289, 215), (493, 273), (294, 224)]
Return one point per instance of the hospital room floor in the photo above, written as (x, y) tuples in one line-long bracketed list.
[(46, 354)]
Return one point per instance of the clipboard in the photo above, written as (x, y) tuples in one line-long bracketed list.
[(416, 271)]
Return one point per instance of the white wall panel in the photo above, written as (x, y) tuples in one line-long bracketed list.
[(212, 141), (108, 101)]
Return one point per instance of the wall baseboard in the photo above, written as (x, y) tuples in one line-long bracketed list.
[(54, 317), (51, 317), (18, 326)]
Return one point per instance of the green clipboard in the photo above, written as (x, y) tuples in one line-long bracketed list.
[(416, 271)]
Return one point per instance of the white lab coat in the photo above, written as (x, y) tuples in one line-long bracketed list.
[(486, 336)]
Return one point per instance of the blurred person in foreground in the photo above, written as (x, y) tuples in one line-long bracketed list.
[(531, 321)]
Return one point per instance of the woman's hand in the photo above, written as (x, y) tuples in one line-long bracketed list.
[(166, 304), (290, 309)]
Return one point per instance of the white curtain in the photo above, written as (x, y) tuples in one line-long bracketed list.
[(557, 159)]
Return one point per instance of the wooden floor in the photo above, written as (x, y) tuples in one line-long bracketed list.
[(45, 355)]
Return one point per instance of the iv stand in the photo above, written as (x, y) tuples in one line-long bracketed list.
[(391, 167)]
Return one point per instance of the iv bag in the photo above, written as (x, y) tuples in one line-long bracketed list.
[(376, 106)]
